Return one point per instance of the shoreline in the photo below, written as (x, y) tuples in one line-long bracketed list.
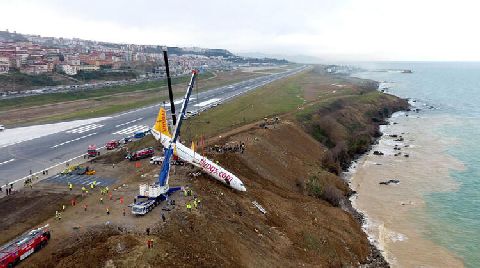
[(376, 257), (378, 230)]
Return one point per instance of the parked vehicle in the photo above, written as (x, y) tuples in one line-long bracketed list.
[(78, 170), (2, 127), (150, 196), (141, 154), (156, 160), (23, 246), (139, 134), (112, 144), (92, 151)]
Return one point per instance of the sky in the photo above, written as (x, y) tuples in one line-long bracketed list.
[(344, 30)]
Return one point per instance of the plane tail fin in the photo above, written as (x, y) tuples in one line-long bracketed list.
[(193, 146), (161, 125)]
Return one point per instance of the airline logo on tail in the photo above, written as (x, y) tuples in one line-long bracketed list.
[(161, 124)]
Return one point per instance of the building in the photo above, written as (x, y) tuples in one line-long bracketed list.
[(67, 69), (4, 65), (35, 69)]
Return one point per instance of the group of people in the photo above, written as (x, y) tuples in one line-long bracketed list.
[(8, 190), (85, 190), (195, 203), (227, 148), (58, 215), (103, 191), (29, 181)]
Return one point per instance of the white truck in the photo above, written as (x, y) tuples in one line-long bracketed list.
[(150, 196), (156, 160)]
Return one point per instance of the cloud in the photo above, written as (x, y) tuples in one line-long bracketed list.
[(344, 29)]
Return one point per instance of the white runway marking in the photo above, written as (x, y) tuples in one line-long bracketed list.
[(132, 129), (79, 138), (129, 122), (85, 128), (204, 103), (6, 162)]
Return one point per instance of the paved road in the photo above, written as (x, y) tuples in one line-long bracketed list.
[(17, 160)]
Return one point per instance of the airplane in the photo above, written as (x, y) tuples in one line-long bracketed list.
[(160, 132)]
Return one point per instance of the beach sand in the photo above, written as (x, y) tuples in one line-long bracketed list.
[(396, 221)]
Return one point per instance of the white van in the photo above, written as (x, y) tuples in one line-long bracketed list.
[(156, 160)]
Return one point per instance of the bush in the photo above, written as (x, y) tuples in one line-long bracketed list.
[(324, 189), (314, 188), (332, 195), (330, 164), (320, 135)]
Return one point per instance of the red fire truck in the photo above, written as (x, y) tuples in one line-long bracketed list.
[(112, 144), (144, 153), (92, 151), (23, 246)]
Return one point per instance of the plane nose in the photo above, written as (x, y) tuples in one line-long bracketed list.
[(242, 188)]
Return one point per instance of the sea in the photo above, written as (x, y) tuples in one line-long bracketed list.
[(430, 215)]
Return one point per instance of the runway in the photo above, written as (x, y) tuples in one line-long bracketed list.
[(20, 157)]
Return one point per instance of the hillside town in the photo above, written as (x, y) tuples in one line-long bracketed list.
[(34, 55)]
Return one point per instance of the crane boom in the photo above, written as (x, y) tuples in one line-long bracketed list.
[(165, 171), (169, 83)]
